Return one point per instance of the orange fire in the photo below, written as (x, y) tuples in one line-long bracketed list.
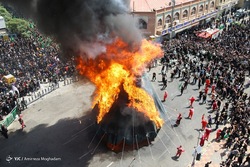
[(120, 66)]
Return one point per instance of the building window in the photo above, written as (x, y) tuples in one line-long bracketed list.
[(193, 11), (206, 6), (185, 14), (142, 24), (159, 23), (176, 16), (220, 1), (212, 5), (168, 19), (201, 8)]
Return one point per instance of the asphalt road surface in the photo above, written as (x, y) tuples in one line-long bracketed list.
[(61, 132)]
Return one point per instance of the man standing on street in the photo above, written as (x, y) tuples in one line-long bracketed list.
[(191, 113), (192, 99), (180, 150), (4, 131), (165, 96)]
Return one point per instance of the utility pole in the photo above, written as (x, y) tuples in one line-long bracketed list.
[(133, 9), (172, 19), (230, 8), (195, 150)]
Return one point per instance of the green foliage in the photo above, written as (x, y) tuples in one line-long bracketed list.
[(3, 12), (26, 28), (15, 25)]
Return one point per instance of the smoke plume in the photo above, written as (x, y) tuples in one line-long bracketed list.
[(80, 25)]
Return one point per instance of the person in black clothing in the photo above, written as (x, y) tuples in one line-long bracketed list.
[(200, 94), (4, 131), (204, 98), (23, 104), (164, 81), (207, 164), (247, 160), (154, 77), (182, 89), (199, 83)]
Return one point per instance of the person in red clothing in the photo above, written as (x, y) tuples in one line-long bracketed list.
[(191, 113), (204, 124), (178, 121), (180, 150), (213, 88), (213, 96), (165, 96), (202, 141), (208, 82), (192, 99), (215, 106), (21, 121), (218, 132), (206, 90), (207, 133), (202, 117)]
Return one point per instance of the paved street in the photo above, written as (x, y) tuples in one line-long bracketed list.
[(60, 127)]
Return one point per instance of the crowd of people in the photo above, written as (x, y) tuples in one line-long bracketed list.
[(31, 64), (219, 68)]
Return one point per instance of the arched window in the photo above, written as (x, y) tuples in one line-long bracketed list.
[(168, 19), (185, 14), (177, 16), (201, 8), (142, 24), (212, 5), (220, 1), (206, 6), (193, 11), (159, 23)]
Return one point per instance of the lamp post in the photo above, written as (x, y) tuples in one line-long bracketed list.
[(230, 5), (172, 19), (195, 150)]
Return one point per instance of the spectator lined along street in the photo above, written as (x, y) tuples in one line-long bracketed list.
[(220, 68)]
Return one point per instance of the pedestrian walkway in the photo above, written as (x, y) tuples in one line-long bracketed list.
[(214, 152)]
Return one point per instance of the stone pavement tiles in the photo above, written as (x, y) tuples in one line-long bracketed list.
[(214, 152)]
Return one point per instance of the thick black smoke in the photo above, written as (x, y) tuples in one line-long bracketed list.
[(80, 26)]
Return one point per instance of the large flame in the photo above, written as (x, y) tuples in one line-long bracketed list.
[(120, 66)]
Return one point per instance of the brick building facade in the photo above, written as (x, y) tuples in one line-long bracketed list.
[(156, 16)]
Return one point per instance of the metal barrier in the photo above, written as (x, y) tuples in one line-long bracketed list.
[(34, 97), (10, 117), (39, 94), (50, 89)]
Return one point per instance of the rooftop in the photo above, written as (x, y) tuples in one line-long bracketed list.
[(149, 5)]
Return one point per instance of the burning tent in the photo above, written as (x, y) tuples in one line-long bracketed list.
[(124, 128), (111, 54), (127, 115)]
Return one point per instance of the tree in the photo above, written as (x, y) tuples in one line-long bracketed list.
[(15, 25), (3, 12), (19, 26)]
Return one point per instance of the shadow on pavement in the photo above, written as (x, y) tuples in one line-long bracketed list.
[(71, 141), (175, 158)]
